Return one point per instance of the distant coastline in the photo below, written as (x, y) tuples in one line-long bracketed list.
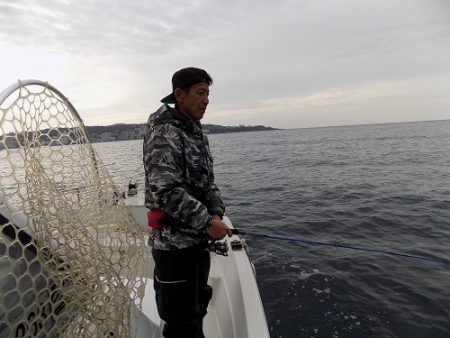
[(115, 132), (125, 132)]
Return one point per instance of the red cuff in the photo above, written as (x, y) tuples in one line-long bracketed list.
[(154, 218)]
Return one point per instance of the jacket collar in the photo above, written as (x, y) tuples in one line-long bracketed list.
[(188, 122)]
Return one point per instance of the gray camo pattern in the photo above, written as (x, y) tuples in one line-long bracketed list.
[(179, 178)]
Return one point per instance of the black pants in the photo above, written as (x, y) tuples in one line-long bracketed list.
[(182, 292)]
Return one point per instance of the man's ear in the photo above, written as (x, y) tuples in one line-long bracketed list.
[(180, 94)]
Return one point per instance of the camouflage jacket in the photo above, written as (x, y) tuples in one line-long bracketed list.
[(179, 178)]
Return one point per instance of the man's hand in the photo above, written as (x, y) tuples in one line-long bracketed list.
[(218, 229)]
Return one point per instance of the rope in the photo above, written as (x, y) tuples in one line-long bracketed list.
[(344, 246)]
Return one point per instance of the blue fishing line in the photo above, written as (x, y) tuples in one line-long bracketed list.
[(344, 246)]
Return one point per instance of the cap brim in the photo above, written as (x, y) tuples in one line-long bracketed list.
[(168, 99)]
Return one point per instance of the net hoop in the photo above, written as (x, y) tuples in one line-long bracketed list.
[(72, 257)]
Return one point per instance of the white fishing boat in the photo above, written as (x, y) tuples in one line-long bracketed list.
[(235, 310), (74, 259)]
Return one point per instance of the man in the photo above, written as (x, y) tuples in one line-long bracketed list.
[(185, 204)]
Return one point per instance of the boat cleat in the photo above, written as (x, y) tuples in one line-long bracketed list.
[(239, 244)]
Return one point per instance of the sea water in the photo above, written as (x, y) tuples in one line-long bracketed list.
[(385, 186)]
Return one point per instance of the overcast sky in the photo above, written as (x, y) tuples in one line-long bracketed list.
[(286, 64)]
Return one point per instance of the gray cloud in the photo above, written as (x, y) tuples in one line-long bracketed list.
[(115, 27), (263, 54)]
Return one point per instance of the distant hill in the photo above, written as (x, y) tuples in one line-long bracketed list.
[(214, 128), (119, 132), (114, 132)]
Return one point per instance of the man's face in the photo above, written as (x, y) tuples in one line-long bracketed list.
[(194, 102)]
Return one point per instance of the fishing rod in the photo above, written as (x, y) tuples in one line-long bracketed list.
[(341, 245)]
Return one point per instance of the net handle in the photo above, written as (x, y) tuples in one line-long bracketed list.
[(22, 83)]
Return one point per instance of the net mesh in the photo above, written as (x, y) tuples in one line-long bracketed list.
[(71, 255)]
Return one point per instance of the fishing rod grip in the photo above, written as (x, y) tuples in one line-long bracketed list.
[(237, 232)]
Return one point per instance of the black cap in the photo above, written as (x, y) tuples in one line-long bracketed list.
[(185, 78)]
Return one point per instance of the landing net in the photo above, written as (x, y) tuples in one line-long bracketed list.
[(71, 255)]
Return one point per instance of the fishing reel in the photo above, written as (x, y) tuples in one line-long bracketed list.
[(219, 248)]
